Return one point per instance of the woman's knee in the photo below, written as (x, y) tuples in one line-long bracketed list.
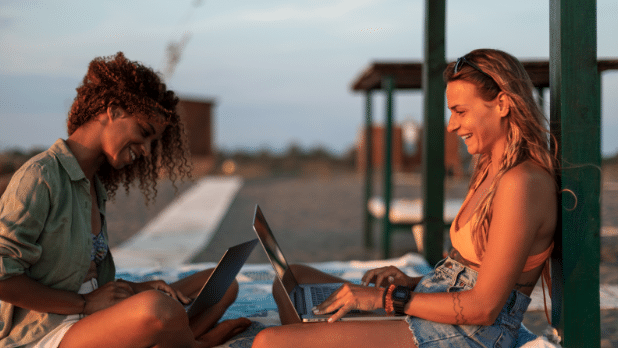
[(265, 338), (306, 274), (157, 310), (300, 268)]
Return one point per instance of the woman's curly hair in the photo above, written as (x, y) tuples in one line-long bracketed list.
[(117, 81)]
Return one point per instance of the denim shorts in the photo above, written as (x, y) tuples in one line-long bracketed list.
[(451, 276)]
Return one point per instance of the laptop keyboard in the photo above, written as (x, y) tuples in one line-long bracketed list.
[(319, 294)]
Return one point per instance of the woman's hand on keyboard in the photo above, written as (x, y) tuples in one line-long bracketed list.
[(350, 297), (385, 276)]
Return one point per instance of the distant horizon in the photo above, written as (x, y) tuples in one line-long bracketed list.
[(258, 150)]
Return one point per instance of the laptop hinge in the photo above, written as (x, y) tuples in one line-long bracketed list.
[(299, 300)]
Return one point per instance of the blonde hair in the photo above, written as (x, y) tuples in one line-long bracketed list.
[(527, 133)]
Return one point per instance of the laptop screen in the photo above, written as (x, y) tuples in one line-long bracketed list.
[(273, 251)]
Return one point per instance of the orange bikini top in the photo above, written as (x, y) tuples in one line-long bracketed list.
[(462, 241)]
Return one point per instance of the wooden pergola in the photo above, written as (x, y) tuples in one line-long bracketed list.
[(572, 75), (409, 74)]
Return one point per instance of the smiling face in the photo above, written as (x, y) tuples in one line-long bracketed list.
[(127, 138), (481, 124)]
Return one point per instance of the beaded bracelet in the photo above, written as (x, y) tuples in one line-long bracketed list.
[(388, 299)]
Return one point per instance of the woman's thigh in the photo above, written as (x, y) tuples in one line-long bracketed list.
[(142, 320), (339, 334)]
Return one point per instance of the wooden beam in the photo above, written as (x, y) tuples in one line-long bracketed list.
[(408, 74)]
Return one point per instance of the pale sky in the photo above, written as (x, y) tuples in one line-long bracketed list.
[(279, 71)]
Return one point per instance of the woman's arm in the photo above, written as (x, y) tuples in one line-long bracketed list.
[(24, 292), (524, 205), (513, 231), (27, 293)]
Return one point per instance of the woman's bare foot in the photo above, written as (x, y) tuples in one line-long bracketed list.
[(223, 331)]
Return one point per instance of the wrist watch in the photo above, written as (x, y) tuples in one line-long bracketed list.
[(401, 295)]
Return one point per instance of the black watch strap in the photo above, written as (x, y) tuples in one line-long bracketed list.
[(401, 296)]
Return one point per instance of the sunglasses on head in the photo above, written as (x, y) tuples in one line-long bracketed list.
[(462, 60)]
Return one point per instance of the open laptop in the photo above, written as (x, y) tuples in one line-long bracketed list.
[(221, 278), (303, 297)]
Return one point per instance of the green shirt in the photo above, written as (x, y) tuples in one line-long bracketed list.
[(45, 230)]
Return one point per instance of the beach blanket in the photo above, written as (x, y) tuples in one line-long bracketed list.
[(255, 299)]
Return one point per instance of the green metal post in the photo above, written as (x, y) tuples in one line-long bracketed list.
[(575, 110), (541, 100), (433, 139), (388, 85), (368, 172)]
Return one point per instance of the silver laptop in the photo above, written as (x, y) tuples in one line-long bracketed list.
[(221, 278), (303, 297)]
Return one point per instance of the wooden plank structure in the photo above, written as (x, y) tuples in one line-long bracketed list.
[(408, 74), (572, 74)]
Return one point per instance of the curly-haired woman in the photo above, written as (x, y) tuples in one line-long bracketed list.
[(57, 275), (502, 235)]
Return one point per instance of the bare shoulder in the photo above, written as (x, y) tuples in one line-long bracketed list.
[(530, 178), (531, 190)]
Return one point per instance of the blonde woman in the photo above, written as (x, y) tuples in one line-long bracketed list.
[(502, 235)]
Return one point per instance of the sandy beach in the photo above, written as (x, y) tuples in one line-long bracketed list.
[(319, 218)]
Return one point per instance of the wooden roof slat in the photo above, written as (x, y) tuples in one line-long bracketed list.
[(408, 74)]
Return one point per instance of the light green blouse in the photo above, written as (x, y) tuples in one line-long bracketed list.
[(45, 234)]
